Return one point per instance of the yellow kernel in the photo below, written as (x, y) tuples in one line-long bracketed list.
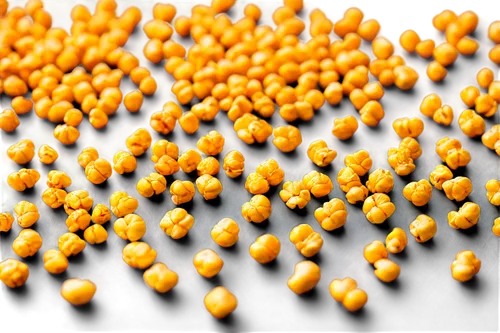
[(430, 104), (182, 191), (73, 117), (27, 243), (71, 244), (22, 152), (220, 302), (78, 292), (225, 232), (176, 223), (265, 248), (386, 270), (346, 292), (55, 262), (465, 266), (66, 134), (436, 72), (20, 105), (160, 278), (305, 277), (130, 227)]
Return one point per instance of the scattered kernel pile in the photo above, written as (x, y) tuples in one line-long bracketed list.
[(247, 71)]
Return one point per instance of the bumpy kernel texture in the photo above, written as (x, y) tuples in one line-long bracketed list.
[(138, 255), (95, 234), (423, 228), (413, 146), (225, 233), (23, 179), (26, 213), (493, 191), (154, 184), (78, 220), (124, 162), (58, 179), (207, 263), (265, 248), (176, 223), (375, 251), (471, 123), (360, 162), (189, 160), (234, 164), (344, 128), (418, 193), (466, 217), (257, 210), (182, 191), (400, 160), (98, 171), (8, 120), (317, 183), (122, 204), (380, 181), (386, 270), (87, 155), (378, 208), (164, 147), (295, 194), (55, 262), (220, 302), (78, 199), (271, 171), (139, 142), (101, 214), (6, 220), (465, 266), (491, 138), (319, 153), (287, 138), (396, 240), (78, 292), (166, 166), (444, 145), (47, 154), (350, 183), (66, 134), (306, 240), (160, 278), (440, 175), (332, 215), (256, 183), (208, 186), (13, 273), (22, 152), (305, 277), (208, 166), (71, 244), (457, 188), (131, 227), (346, 292), (457, 158), (211, 144)]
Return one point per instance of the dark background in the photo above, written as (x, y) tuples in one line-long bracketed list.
[(423, 298)]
